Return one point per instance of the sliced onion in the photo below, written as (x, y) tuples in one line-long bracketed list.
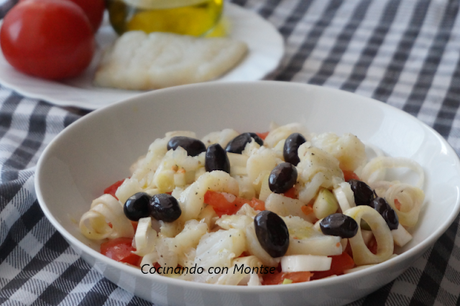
[(385, 245), (344, 196), (298, 263), (105, 210), (145, 237), (401, 236), (410, 199), (370, 171)]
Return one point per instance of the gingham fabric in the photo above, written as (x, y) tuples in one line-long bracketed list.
[(403, 52)]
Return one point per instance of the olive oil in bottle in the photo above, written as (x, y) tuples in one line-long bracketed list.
[(186, 17)]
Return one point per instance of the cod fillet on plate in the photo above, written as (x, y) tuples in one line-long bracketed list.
[(140, 61)]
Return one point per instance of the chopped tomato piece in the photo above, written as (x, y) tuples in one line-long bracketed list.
[(220, 203), (373, 245), (134, 224), (263, 135), (348, 250), (339, 264), (120, 249), (350, 175), (227, 204), (397, 204), (113, 188), (291, 193), (244, 254), (278, 277), (307, 209), (256, 204)]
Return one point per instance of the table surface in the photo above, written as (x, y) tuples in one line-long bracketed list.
[(401, 52)]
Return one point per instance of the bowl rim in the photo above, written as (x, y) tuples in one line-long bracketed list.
[(415, 252)]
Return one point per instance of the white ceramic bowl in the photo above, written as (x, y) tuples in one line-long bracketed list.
[(98, 149)]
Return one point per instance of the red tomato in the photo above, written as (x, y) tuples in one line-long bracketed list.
[(278, 277), (256, 204), (120, 249), (339, 264), (51, 39), (291, 193), (94, 9), (222, 206), (350, 175), (307, 209), (373, 246), (263, 135), (397, 204), (113, 188)]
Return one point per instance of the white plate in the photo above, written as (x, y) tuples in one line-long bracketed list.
[(266, 48), (98, 149)]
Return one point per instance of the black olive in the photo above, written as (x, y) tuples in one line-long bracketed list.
[(216, 159), (193, 146), (137, 206), (291, 147), (282, 178), (362, 192), (164, 207), (391, 218), (272, 233), (237, 144), (380, 205), (256, 138), (339, 225), (385, 210)]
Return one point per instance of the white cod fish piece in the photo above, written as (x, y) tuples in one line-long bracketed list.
[(140, 61)]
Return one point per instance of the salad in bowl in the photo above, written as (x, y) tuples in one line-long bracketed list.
[(272, 208)]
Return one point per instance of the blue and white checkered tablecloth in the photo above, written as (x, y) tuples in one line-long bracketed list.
[(402, 52)]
